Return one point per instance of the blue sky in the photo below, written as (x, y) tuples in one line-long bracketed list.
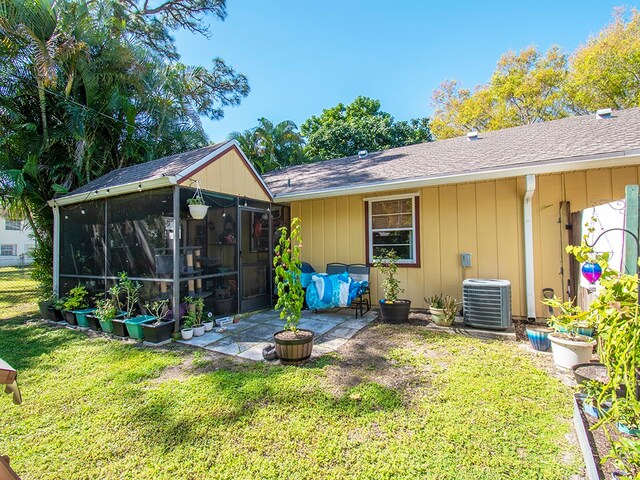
[(303, 56)]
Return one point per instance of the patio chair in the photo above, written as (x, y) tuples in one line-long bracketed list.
[(336, 268), (359, 272)]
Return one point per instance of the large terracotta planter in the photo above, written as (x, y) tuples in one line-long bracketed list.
[(396, 311), (567, 353), (296, 350)]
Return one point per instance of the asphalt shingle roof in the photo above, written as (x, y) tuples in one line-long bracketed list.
[(539, 143), (165, 166)]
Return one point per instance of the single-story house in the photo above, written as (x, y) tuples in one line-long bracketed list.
[(507, 197)]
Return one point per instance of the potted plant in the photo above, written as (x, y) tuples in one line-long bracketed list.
[(436, 308), (75, 306), (158, 331), (293, 345), (45, 307), (568, 346), (105, 313), (187, 328), (392, 309), (57, 308), (197, 206), (196, 310), (209, 322), (443, 309), (125, 293)]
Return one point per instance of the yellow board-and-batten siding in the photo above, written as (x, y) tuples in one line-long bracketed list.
[(482, 218), (231, 175)]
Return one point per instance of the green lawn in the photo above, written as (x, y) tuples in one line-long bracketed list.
[(397, 402), (17, 292)]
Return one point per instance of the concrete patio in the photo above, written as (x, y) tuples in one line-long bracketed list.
[(251, 334)]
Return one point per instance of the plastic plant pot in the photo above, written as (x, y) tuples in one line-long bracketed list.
[(70, 317), (81, 316), (106, 325), (157, 332), (119, 327), (628, 430), (56, 314), (134, 325), (94, 322)]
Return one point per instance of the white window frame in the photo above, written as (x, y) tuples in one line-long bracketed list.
[(8, 222), (414, 197), (14, 250)]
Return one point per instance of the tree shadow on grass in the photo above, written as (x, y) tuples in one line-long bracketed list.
[(23, 342), (177, 412)]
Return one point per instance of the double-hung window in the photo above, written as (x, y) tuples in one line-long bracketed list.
[(8, 250), (393, 224), (12, 225)]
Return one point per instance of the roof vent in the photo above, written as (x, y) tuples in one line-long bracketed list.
[(362, 153), (472, 135), (603, 113)]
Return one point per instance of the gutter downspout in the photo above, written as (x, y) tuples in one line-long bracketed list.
[(528, 247)]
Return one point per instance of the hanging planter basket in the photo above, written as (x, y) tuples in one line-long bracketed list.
[(197, 206)]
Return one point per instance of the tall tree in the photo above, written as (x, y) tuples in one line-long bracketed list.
[(342, 130), (605, 71), (270, 146), (82, 92), (526, 87)]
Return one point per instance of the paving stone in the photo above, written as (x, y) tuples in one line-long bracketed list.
[(317, 327), (331, 343), (205, 339), (254, 353), (228, 347), (343, 332), (357, 324)]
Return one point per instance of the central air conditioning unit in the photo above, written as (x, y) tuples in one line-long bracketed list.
[(486, 303)]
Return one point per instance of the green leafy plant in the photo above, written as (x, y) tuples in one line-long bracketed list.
[(196, 309), (77, 298), (131, 291), (58, 303), (287, 275), (435, 301), (187, 321), (592, 390), (387, 263), (570, 318), (615, 312), (106, 309), (158, 309), (198, 200), (625, 454)]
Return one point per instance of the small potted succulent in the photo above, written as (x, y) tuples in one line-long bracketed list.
[(392, 309), (75, 306), (106, 311), (187, 327), (568, 346), (443, 309), (197, 205), (209, 322), (158, 331), (293, 345)]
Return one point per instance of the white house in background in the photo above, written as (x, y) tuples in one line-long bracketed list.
[(16, 242)]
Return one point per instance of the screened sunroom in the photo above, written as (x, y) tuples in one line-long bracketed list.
[(138, 220)]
